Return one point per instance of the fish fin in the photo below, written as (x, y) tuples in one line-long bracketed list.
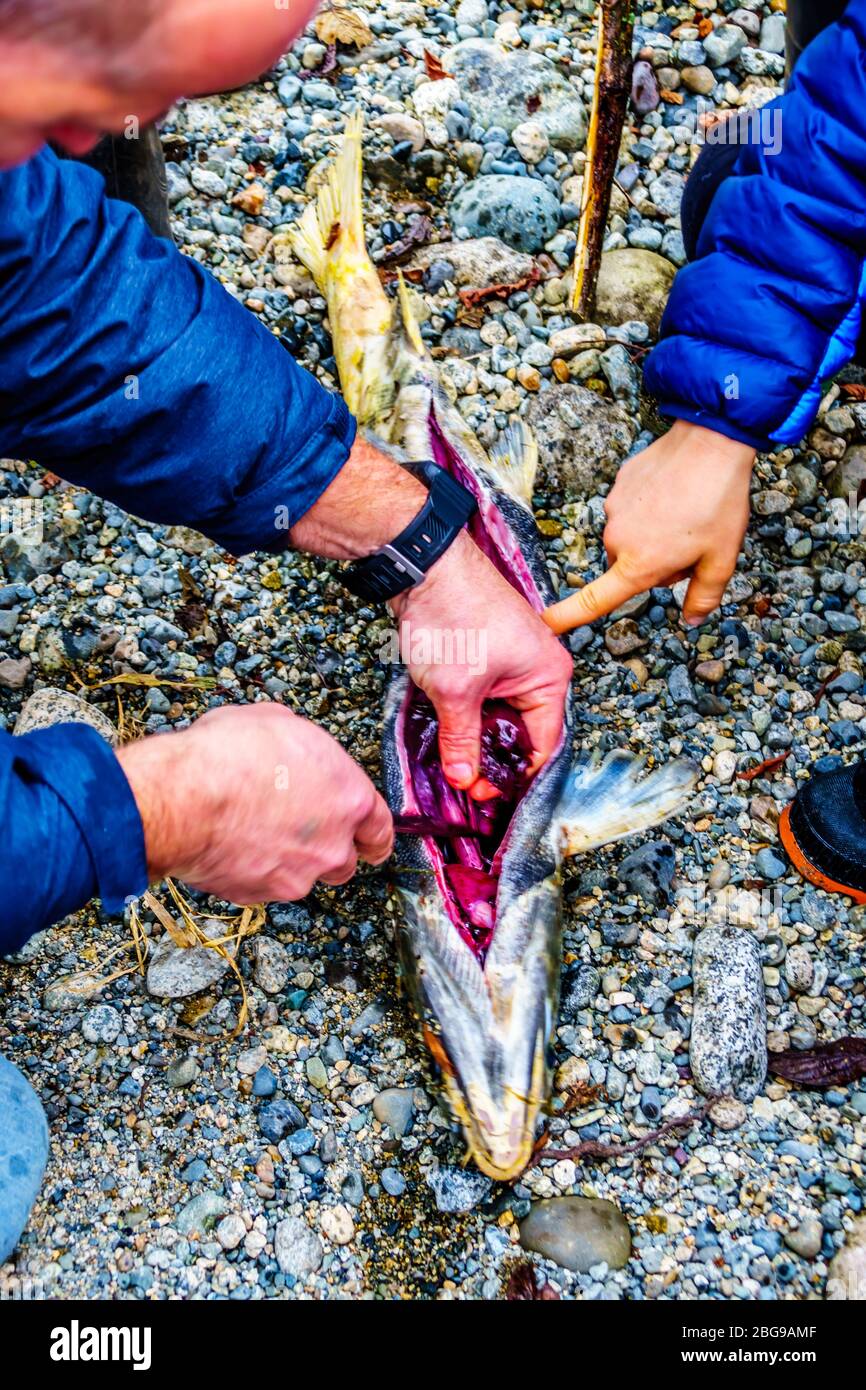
[(407, 317), (605, 801), (336, 219), (514, 461)]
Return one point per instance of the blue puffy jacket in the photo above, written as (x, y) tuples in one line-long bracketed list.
[(772, 305), (128, 369)]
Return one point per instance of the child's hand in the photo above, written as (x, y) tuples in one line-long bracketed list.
[(678, 509)]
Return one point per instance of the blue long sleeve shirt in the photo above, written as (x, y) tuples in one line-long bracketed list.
[(773, 303), (126, 368)]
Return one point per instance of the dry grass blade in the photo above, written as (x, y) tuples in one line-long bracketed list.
[(143, 678)]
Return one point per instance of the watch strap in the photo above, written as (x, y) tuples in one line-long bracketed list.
[(405, 560)]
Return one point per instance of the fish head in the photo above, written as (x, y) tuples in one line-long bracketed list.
[(487, 1024)]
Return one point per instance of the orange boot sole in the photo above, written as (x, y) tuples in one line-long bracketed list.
[(807, 869)]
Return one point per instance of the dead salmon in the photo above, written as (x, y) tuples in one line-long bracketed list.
[(480, 883)]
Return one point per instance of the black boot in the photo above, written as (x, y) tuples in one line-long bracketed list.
[(824, 831)]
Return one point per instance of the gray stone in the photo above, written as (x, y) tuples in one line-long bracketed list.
[(649, 871), (521, 211), (270, 964), (667, 192), (458, 1189), (505, 89), (14, 672), (478, 261), (299, 1250), (805, 1239), (201, 1213), (178, 971), (728, 1046), (577, 1233), (582, 439), (633, 284), (182, 1072), (23, 1154), (101, 1024), (395, 1107), (723, 45), (50, 706), (772, 36)]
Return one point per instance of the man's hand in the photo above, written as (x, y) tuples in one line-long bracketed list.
[(679, 508), (463, 598), (254, 804), (466, 609)]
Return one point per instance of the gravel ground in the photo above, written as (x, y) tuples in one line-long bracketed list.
[(309, 1157)]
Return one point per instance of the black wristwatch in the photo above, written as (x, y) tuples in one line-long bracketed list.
[(406, 560)]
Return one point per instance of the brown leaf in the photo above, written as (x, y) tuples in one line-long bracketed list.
[(854, 390), (336, 24), (250, 200), (435, 70), (191, 617), (328, 66), (418, 231), (768, 765), (837, 1063), (477, 295), (674, 98), (522, 1285), (705, 26)]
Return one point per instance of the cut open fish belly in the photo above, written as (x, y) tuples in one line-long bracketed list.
[(481, 933)]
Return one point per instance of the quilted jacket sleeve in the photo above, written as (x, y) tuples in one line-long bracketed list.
[(772, 305), (127, 368)]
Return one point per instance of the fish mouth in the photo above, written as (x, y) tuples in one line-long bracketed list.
[(484, 961), (501, 1140)]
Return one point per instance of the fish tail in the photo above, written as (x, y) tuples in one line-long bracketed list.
[(605, 801), (335, 221), (514, 461)]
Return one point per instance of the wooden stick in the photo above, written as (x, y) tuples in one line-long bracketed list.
[(613, 66)]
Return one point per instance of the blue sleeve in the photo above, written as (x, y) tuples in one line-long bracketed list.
[(127, 368), (71, 830), (771, 306)]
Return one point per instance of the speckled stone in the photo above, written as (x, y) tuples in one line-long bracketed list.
[(177, 971), (49, 706), (728, 1047), (299, 1250)]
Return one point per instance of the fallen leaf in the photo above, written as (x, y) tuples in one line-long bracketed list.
[(675, 98), (837, 1063), (418, 231), (250, 200), (522, 1286), (327, 68), (339, 25), (768, 765), (435, 70), (477, 295), (855, 390)]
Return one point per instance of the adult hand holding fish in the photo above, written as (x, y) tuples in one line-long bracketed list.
[(511, 655), (253, 803), (677, 509)]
